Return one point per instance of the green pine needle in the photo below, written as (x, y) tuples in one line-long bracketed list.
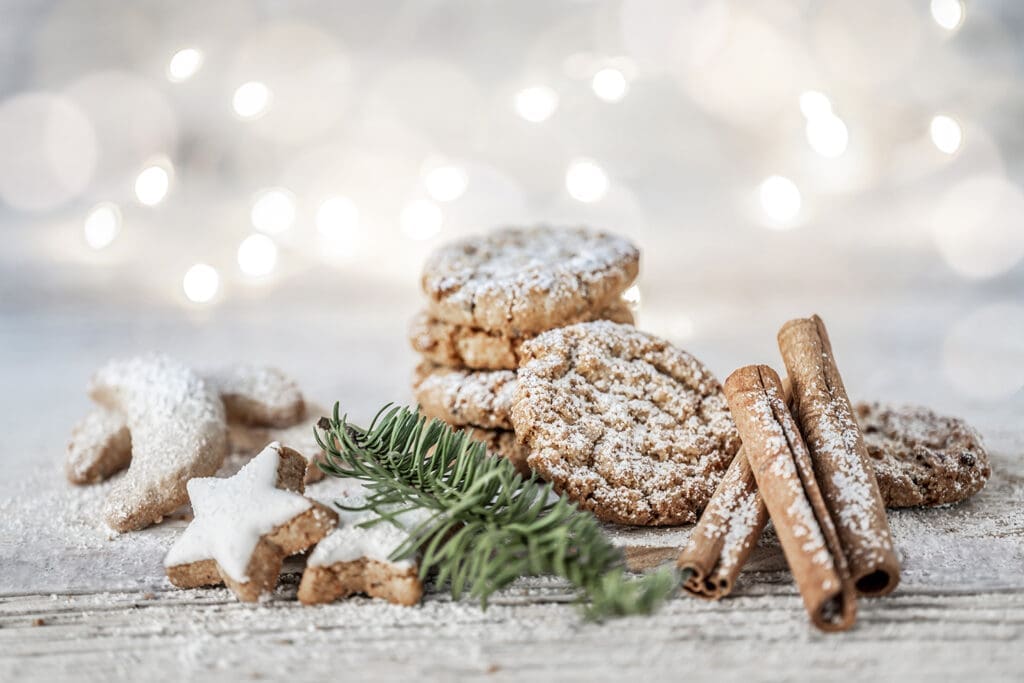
[(488, 525)]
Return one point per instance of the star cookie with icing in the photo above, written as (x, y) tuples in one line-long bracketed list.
[(246, 525), (354, 559)]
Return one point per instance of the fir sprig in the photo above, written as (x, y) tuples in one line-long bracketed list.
[(487, 524)]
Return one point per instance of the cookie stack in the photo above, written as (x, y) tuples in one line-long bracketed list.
[(487, 295)]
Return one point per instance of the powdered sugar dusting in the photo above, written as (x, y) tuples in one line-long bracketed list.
[(480, 398), (632, 428)]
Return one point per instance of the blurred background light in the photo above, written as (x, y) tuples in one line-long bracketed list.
[(251, 99), (780, 200), (421, 219), (102, 224), (273, 211), (184, 64), (827, 135), (445, 182), (537, 103), (257, 255), (152, 184), (609, 84), (586, 181), (948, 14), (983, 353), (201, 283), (946, 133)]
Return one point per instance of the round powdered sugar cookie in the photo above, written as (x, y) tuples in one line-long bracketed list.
[(921, 458), (477, 398), (178, 431), (630, 427), (472, 347), (521, 281)]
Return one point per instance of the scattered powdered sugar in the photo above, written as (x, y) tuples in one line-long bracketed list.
[(738, 507), (232, 514), (349, 541)]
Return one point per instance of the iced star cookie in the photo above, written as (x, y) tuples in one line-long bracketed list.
[(630, 427), (921, 458), (472, 347), (354, 559), (477, 398), (248, 439), (521, 281), (246, 525), (178, 431)]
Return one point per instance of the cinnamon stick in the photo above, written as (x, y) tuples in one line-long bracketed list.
[(840, 460), (725, 535), (782, 467)]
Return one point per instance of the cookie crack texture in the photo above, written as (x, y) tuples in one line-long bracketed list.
[(633, 429), (525, 280)]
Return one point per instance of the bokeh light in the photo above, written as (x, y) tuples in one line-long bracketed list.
[(827, 135), (257, 255), (184, 64), (152, 184), (780, 200), (949, 14), (48, 151), (273, 212), (814, 104), (633, 297), (445, 182), (102, 225), (610, 84), (537, 103), (251, 99), (421, 219), (201, 283), (586, 181), (946, 133), (978, 228), (983, 353), (337, 225)]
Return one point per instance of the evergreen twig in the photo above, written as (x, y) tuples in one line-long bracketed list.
[(487, 524)]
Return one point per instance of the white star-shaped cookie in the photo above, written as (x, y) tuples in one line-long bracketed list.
[(246, 525)]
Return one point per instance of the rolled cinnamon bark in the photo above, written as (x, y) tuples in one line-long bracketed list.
[(782, 468), (841, 465), (725, 535)]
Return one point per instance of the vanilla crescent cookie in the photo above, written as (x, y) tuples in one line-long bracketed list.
[(472, 347), (521, 281), (476, 398), (258, 395), (178, 431), (921, 458), (246, 525), (630, 427)]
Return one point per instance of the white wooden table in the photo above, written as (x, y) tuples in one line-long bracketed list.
[(77, 604)]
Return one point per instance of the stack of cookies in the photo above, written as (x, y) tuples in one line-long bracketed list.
[(487, 295)]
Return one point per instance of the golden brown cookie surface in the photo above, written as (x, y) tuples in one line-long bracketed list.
[(521, 281), (472, 347), (632, 428), (921, 458), (477, 398)]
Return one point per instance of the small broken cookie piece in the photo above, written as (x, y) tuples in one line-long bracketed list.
[(100, 446), (921, 458), (178, 432), (249, 440), (477, 398), (246, 525), (354, 559), (259, 395)]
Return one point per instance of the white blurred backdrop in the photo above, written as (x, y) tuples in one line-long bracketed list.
[(267, 176)]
